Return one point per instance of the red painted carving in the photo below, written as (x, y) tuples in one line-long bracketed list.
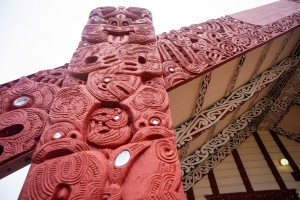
[(77, 176), (108, 128), (19, 130), (27, 93), (62, 130), (195, 50), (72, 81), (110, 133), (119, 25), (127, 59), (112, 87), (53, 76), (73, 104)]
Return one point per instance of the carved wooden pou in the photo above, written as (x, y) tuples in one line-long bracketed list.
[(106, 128)]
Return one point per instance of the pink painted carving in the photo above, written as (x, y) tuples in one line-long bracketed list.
[(108, 134)]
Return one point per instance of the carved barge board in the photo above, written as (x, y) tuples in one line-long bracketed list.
[(110, 110)]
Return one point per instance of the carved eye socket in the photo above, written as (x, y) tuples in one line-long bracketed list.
[(114, 23), (124, 23), (140, 21), (155, 121), (21, 101), (99, 19)]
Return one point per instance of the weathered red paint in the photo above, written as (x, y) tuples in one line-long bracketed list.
[(111, 101), (109, 131)]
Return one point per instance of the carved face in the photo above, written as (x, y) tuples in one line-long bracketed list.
[(133, 59), (119, 25), (108, 128), (28, 94)]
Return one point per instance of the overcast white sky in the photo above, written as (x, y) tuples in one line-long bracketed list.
[(40, 34)]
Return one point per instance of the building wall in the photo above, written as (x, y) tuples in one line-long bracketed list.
[(227, 174)]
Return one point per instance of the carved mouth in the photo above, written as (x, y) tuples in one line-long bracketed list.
[(119, 33), (120, 37)]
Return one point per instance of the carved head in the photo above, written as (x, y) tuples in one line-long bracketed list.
[(119, 25)]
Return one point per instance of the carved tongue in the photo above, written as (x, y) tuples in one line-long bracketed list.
[(118, 39)]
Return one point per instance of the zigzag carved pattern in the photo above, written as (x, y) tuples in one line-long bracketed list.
[(197, 165), (236, 73), (195, 50), (204, 87), (189, 130), (284, 97), (287, 134), (284, 107)]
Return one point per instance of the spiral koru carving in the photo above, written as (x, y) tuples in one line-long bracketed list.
[(201, 46), (28, 94), (173, 73), (166, 151), (93, 57), (153, 118), (152, 133), (72, 104), (60, 130), (77, 176), (162, 179), (52, 76), (150, 98), (70, 81), (163, 186), (108, 128), (139, 60), (112, 87), (19, 130), (58, 148), (130, 172)]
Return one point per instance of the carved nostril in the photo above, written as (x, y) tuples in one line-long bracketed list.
[(91, 59), (62, 192), (142, 60), (11, 130), (1, 149), (125, 23), (114, 23)]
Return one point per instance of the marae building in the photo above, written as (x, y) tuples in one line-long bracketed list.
[(233, 88)]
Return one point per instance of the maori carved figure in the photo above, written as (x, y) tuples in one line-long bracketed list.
[(53, 76), (23, 116), (27, 93), (19, 130), (115, 58), (108, 128), (119, 25), (72, 104), (113, 87), (103, 120), (72, 180), (110, 133), (193, 50)]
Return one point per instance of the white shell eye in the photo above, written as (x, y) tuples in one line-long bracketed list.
[(57, 135), (122, 158), (116, 117), (171, 69), (99, 19), (21, 101), (106, 80), (155, 121), (140, 21)]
